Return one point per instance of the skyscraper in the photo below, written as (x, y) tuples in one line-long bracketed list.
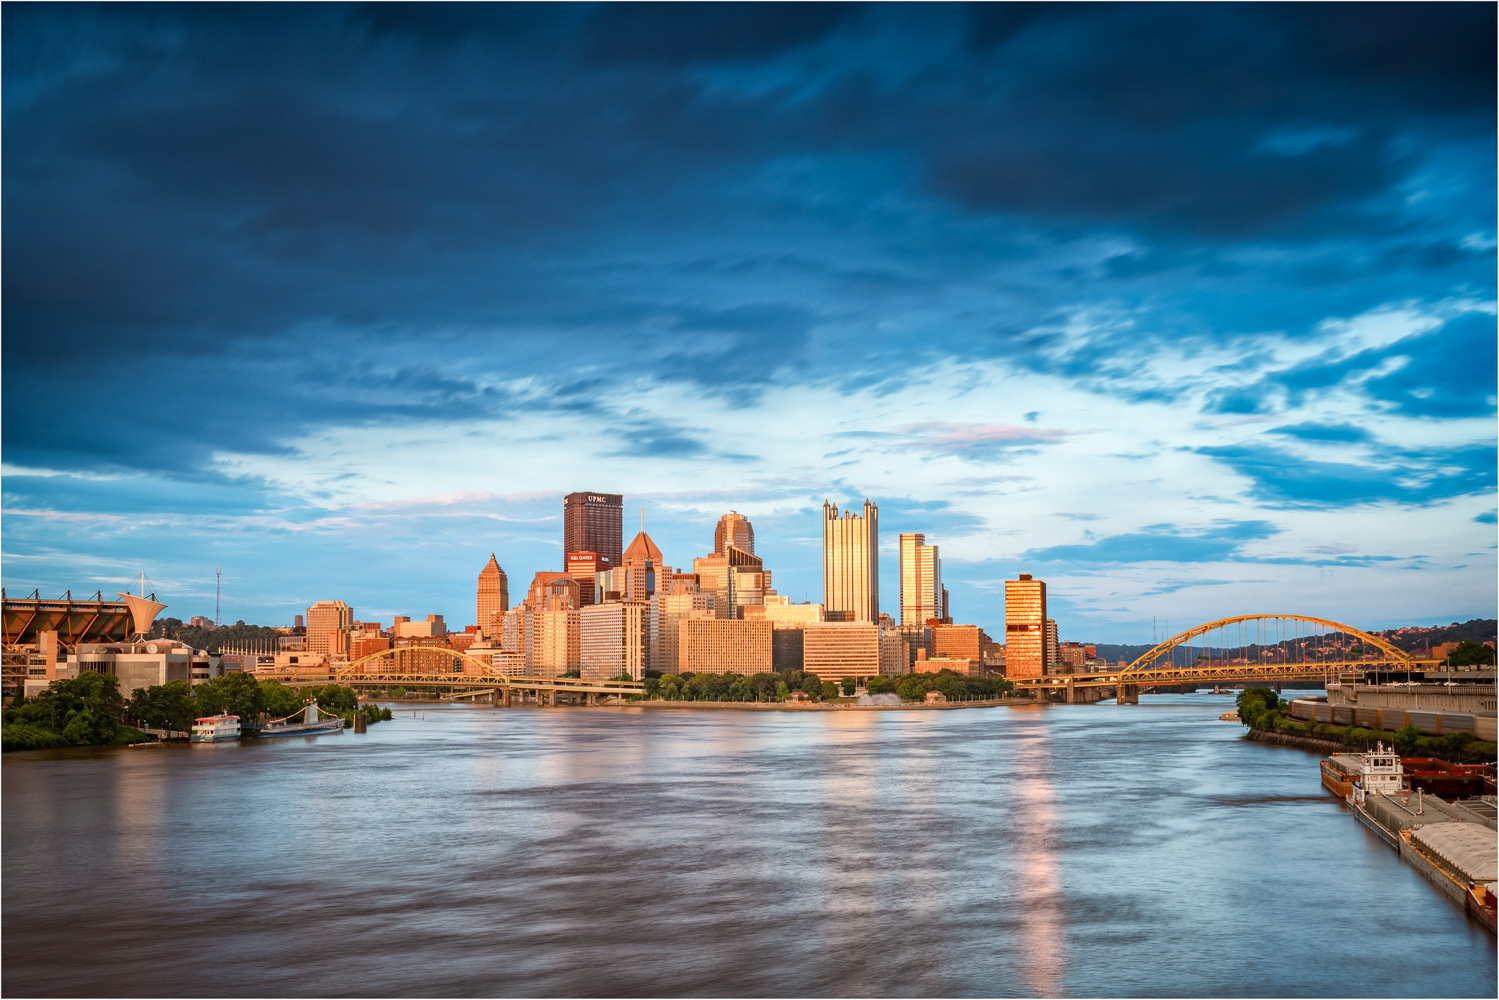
[(328, 624), (642, 561), (493, 597), (735, 578), (1025, 627), (921, 592), (733, 529), (1053, 658), (851, 563), (593, 522)]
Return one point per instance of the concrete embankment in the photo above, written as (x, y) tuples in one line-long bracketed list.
[(1296, 740)]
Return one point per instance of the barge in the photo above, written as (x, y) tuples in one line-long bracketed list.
[(1452, 844)]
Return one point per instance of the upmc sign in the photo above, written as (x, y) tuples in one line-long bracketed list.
[(597, 499)]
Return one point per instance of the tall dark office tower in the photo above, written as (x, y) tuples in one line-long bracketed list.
[(593, 522)]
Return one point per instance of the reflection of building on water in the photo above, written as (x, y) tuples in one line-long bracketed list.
[(1039, 891)]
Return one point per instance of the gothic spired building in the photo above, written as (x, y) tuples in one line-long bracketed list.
[(851, 563), (593, 522), (492, 598)]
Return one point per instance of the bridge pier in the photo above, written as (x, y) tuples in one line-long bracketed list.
[(1129, 694)]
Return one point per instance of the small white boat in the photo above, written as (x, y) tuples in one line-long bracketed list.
[(216, 729)]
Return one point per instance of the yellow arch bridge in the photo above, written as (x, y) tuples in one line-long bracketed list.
[(1246, 648), (464, 675)]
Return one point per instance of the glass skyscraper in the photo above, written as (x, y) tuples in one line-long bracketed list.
[(851, 563), (920, 580)]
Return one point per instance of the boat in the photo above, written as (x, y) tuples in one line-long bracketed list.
[(311, 724), (215, 729)]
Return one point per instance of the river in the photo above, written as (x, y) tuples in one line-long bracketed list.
[(1091, 850)]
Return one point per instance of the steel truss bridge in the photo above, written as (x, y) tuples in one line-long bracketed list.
[(466, 676), (1245, 648)]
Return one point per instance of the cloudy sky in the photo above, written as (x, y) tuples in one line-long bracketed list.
[(1187, 310)]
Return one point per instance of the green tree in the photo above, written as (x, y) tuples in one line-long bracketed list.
[(165, 706), (236, 693), (1470, 654), (880, 685), (782, 691), (829, 689), (1457, 742), (850, 685), (280, 701), (1406, 738), (84, 710)]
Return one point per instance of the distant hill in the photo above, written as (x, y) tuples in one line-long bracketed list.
[(1416, 639)]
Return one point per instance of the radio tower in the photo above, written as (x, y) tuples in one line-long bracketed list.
[(218, 576)]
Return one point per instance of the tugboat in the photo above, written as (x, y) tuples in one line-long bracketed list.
[(311, 724), (216, 729)]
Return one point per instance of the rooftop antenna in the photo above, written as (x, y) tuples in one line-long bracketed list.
[(218, 576), (642, 519)]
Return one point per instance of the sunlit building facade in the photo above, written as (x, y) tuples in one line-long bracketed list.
[(724, 646), (328, 625), (835, 650), (733, 529), (612, 640), (1025, 627), (667, 610), (920, 580), (492, 598), (552, 637), (851, 563)]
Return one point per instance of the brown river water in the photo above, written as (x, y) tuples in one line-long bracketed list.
[(1097, 850)]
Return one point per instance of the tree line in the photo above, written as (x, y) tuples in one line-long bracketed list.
[(778, 687), (88, 710), (1264, 710)]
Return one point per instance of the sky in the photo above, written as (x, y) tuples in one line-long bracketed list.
[(1187, 310)]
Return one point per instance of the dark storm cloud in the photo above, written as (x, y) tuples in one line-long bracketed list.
[(1216, 121), (1416, 477), (691, 33), (1446, 372), (280, 207), (1222, 542)]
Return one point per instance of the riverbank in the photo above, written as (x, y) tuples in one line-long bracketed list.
[(1473, 752), (1292, 740)]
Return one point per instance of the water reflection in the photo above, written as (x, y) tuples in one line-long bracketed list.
[(1040, 897), (989, 852)]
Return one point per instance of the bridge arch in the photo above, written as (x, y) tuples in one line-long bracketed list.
[(1145, 661), (488, 671)]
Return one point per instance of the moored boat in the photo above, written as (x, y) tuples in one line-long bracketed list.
[(215, 729), (311, 725)]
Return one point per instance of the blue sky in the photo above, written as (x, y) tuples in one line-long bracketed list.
[(1187, 310)]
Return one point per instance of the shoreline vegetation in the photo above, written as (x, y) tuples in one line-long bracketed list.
[(826, 706), (88, 710), (1263, 714)]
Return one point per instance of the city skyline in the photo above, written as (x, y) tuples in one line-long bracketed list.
[(343, 299)]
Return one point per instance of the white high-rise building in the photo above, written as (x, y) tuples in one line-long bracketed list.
[(612, 640), (851, 563), (920, 580)]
